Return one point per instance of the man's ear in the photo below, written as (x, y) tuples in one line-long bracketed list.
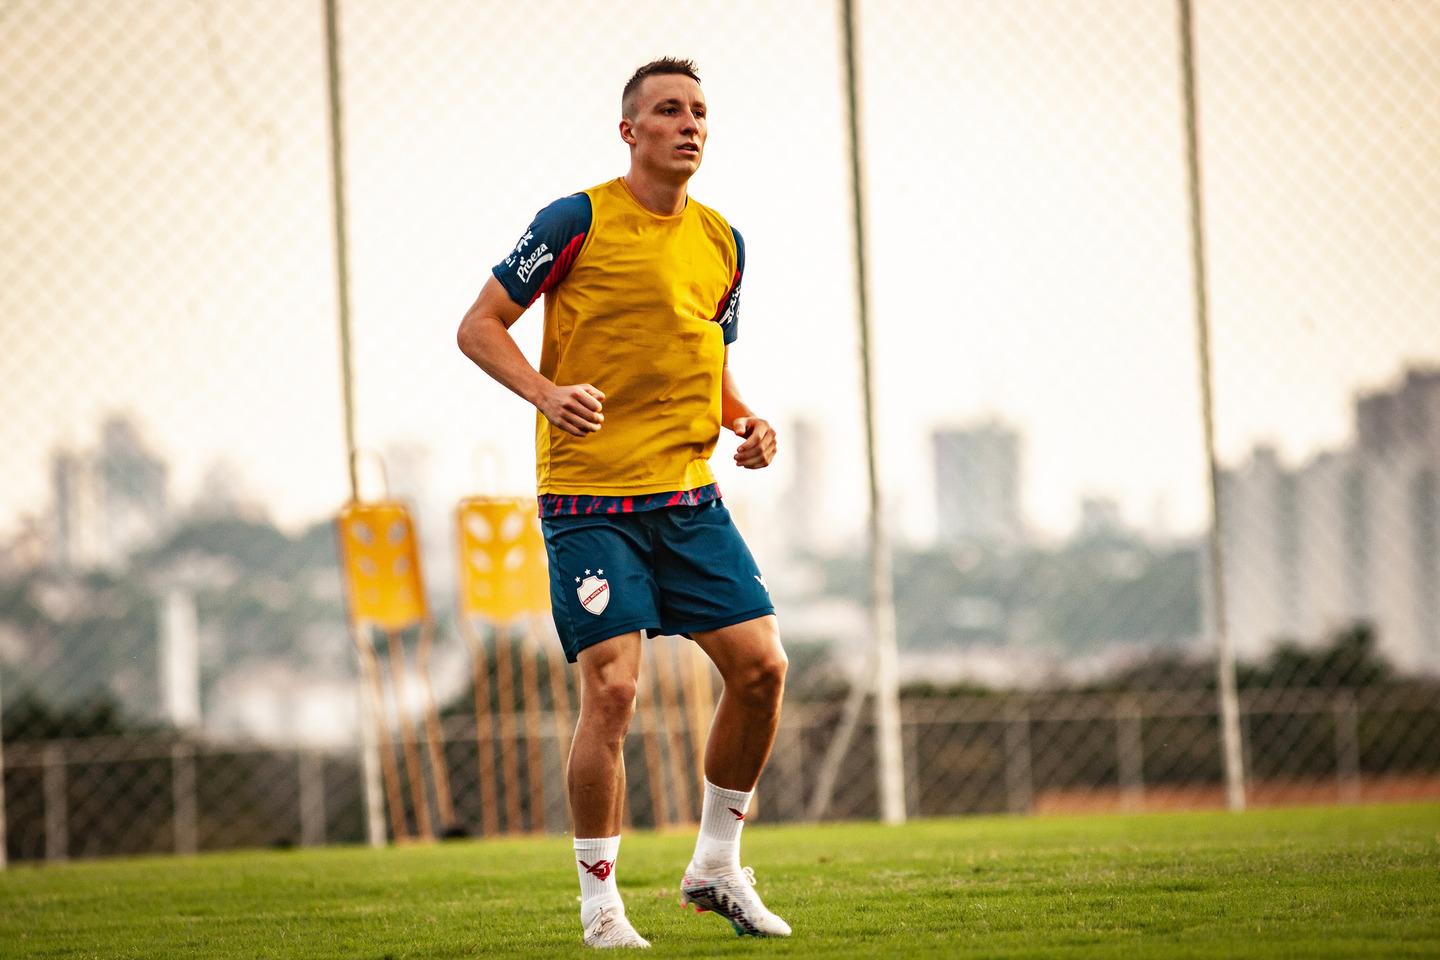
[(627, 131)]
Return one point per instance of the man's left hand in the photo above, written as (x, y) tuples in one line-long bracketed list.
[(758, 449)]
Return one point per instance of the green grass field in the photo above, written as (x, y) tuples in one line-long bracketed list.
[(1335, 882)]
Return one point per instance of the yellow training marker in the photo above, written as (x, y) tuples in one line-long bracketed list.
[(381, 562), (503, 572)]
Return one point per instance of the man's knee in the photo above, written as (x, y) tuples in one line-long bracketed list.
[(609, 699), (761, 681), (607, 685)]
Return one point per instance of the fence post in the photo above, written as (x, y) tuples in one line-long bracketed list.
[(1247, 740), (1130, 753), (1347, 747), (57, 808), (312, 798), (376, 767), (889, 754), (3, 841), (1230, 737), (187, 819), (910, 756), (1018, 785)]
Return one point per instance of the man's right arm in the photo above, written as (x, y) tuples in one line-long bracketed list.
[(484, 337)]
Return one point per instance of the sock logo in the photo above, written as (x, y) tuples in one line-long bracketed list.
[(738, 814), (600, 869)]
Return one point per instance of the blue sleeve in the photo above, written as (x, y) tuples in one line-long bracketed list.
[(547, 250), (730, 317)]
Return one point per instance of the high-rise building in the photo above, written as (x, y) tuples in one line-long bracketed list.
[(801, 504), (1331, 545), (977, 484), (1353, 535), (1100, 518), (1404, 419), (107, 502), (179, 659), (79, 537), (132, 487), (1259, 538)]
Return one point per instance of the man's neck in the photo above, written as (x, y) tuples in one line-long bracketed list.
[(661, 197)]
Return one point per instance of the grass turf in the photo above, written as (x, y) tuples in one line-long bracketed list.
[(1334, 882)]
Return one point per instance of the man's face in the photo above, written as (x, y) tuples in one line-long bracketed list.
[(667, 132)]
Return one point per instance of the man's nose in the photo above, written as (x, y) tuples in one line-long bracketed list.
[(692, 124)]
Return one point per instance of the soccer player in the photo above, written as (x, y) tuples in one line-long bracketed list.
[(642, 287)]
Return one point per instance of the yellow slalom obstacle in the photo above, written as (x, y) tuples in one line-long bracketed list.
[(503, 572), (380, 563), (504, 581)]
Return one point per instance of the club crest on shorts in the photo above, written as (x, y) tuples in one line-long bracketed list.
[(594, 592)]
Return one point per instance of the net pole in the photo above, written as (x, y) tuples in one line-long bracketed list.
[(890, 761), (377, 758), (3, 840), (342, 250), (1229, 704), (370, 757)]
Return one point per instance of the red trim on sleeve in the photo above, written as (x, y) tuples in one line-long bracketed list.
[(725, 300), (561, 267)]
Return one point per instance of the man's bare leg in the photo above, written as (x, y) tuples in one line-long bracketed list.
[(596, 772), (595, 777), (752, 663)]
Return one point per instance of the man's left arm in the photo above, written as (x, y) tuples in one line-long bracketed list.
[(757, 447)]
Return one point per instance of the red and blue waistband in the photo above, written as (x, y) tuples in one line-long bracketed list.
[(582, 504)]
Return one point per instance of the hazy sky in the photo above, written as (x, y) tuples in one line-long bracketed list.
[(165, 233)]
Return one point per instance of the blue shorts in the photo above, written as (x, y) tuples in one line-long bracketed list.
[(669, 571)]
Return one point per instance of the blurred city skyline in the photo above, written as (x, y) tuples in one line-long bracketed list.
[(1346, 541), (111, 497), (168, 251)]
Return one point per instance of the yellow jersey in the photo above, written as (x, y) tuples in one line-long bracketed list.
[(641, 306)]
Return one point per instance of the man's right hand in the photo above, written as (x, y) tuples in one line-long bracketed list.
[(484, 337), (574, 408)]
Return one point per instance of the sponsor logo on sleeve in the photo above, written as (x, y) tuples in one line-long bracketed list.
[(731, 307), (533, 261), (520, 246)]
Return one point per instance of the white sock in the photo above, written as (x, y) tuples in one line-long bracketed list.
[(721, 819), (595, 860)]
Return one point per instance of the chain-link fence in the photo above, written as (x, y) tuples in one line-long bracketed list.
[(176, 671)]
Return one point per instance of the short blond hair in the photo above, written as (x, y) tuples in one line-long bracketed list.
[(655, 68)]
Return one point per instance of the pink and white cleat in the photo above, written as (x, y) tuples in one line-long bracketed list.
[(731, 893)]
